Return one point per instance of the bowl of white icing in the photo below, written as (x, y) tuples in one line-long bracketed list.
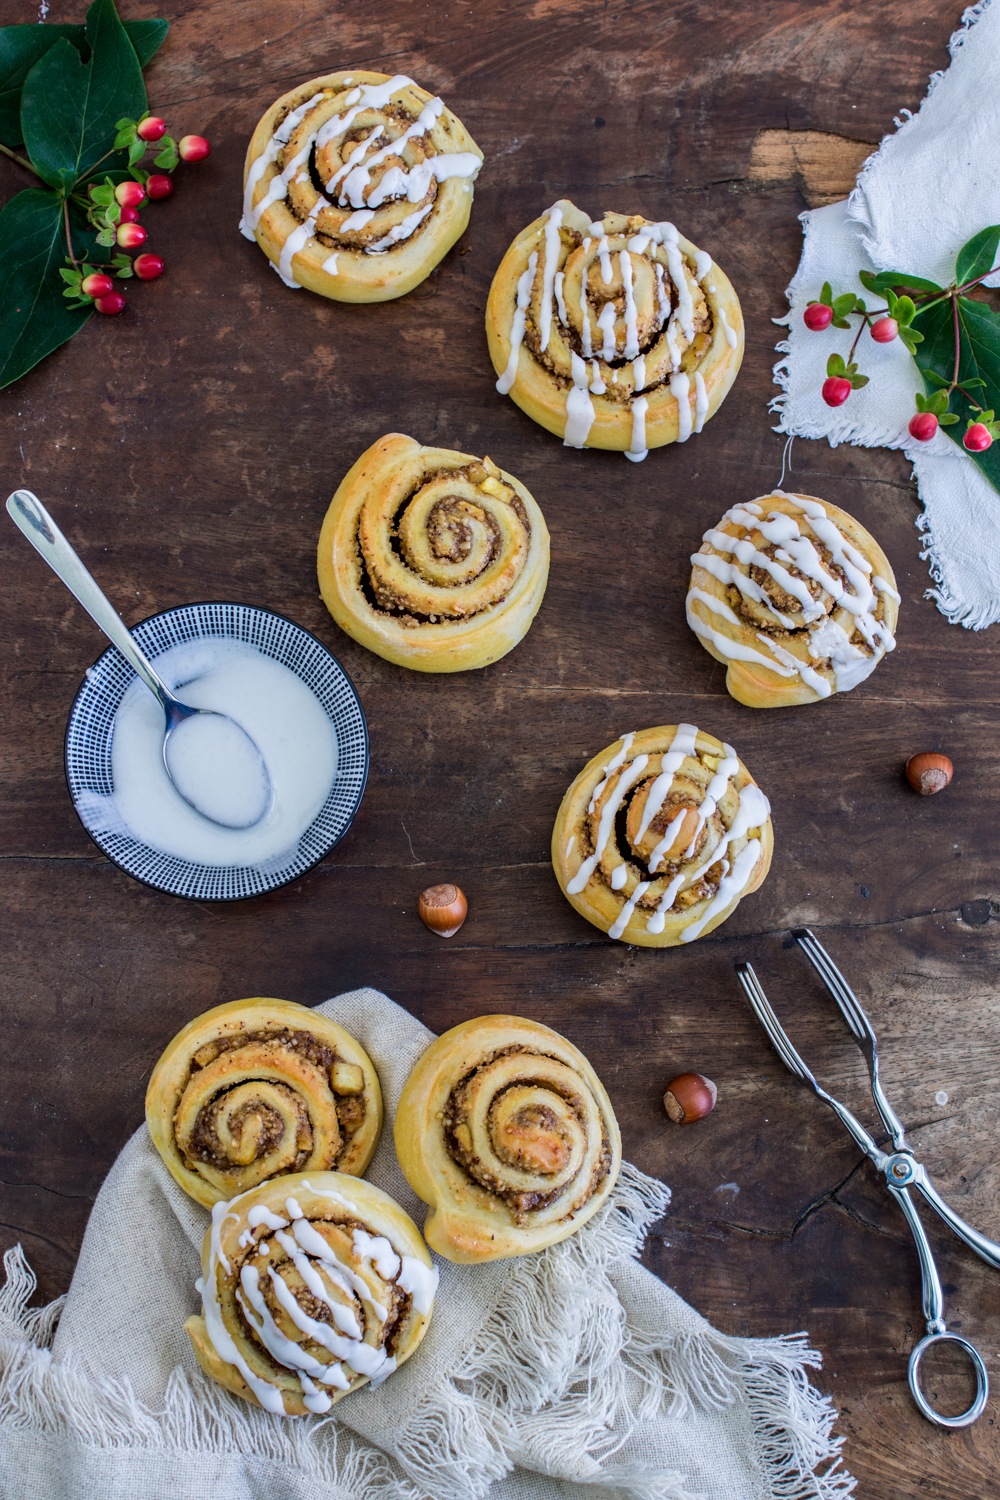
[(287, 692)]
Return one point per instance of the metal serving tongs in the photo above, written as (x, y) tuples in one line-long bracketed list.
[(900, 1167)]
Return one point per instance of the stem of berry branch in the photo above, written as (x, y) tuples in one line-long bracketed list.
[(22, 161), (958, 346), (861, 329), (69, 237)]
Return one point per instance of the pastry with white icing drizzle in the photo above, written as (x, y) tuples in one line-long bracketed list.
[(661, 836), (795, 598), (433, 559), (356, 185), (506, 1132), (255, 1089), (312, 1285), (614, 334)]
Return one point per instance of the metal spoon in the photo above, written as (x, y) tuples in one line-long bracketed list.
[(28, 513)]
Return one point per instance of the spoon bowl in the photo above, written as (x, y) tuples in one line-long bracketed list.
[(214, 766)]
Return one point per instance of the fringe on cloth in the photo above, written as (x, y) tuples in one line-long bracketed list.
[(557, 1380)]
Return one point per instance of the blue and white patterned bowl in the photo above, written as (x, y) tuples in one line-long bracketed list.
[(88, 745)]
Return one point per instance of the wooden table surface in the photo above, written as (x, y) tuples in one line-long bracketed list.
[(190, 449)]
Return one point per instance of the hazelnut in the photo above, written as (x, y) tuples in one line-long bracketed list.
[(443, 908), (690, 1097), (929, 772)]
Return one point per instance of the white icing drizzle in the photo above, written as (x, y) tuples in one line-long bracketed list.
[(637, 449), (631, 312), (639, 373), (346, 168), (558, 281), (682, 744), (606, 323), (251, 216), (330, 265), (668, 238), (377, 1249), (552, 245), (702, 265), (680, 387), (619, 875), (701, 400), (295, 242), (809, 675), (662, 300), (524, 284), (585, 339), (620, 923), (612, 765), (579, 407), (572, 841), (716, 789), (886, 588), (357, 220), (730, 886), (261, 1215), (420, 1281), (667, 840), (597, 384), (400, 231), (730, 332), (606, 823), (607, 274)]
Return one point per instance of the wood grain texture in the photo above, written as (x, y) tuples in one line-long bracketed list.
[(190, 449)]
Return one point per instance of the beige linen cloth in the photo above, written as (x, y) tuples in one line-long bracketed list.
[(570, 1373)]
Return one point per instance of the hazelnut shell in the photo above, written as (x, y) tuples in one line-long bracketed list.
[(928, 772), (689, 1097), (443, 908)]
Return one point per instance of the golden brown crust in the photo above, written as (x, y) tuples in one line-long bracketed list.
[(256, 1088), (697, 838), (303, 1301), (783, 631), (506, 1132), (683, 326), (370, 265), (433, 559)]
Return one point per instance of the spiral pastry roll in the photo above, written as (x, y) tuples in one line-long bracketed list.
[(311, 1286), (617, 334), (504, 1129), (433, 559), (795, 597), (661, 835), (357, 184), (258, 1088)]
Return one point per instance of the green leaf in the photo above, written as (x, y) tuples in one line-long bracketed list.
[(979, 359), (844, 304), (835, 365), (34, 318), (949, 419), (921, 401), (136, 152), (857, 381), (167, 158), (69, 108), (884, 281), (826, 295), (977, 256), (840, 323), (911, 337), (22, 46), (905, 309)]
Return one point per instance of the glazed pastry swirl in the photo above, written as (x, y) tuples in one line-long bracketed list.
[(504, 1129), (431, 558), (795, 597), (356, 184), (614, 334), (311, 1287), (258, 1088), (661, 835)]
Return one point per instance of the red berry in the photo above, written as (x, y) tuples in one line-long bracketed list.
[(884, 330), (923, 426), (977, 439), (159, 187), (128, 216), (114, 302), (130, 236), (96, 284), (836, 390), (130, 194), (193, 148), (148, 267), (817, 316), (151, 128)]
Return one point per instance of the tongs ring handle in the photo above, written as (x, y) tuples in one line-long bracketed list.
[(975, 1411)]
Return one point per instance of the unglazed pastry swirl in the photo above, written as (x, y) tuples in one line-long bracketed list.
[(795, 597), (257, 1088), (505, 1131), (661, 835), (356, 184), (311, 1286), (432, 559), (615, 334)]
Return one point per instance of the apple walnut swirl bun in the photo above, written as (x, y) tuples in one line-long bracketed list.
[(258, 1088), (794, 597), (311, 1287), (615, 334), (432, 559), (356, 185), (504, 1129), (661, 835)]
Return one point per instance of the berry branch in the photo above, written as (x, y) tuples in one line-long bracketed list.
[(973, 331)]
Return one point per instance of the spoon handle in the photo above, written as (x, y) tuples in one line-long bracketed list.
[(28, 512)]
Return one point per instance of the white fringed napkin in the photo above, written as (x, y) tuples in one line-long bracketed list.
[(929, 188), (569, 1373)]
